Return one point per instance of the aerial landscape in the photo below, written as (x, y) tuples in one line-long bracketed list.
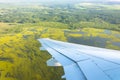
[(88, 22)]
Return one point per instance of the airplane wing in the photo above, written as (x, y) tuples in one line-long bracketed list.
[(82, 62)]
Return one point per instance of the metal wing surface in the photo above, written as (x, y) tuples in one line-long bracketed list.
[(82, 62)]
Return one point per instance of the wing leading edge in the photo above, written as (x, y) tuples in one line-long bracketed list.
[(83, 62)]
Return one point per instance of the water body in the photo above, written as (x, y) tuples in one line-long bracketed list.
[(97, 41), (91, 41), (116, 44)]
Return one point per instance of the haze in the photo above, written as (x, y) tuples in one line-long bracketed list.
[(6, 1)]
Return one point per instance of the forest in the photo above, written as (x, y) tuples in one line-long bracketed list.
[(22, 24), (75, 16)]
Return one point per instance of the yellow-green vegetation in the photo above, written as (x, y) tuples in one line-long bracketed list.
[(54, 34), (4, 27), (20, 57), (75, 35)]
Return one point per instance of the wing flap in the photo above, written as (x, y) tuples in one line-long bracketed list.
[(114, 73), (104, 64), (92, 71), (73, 72)]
